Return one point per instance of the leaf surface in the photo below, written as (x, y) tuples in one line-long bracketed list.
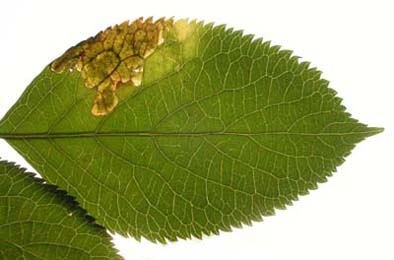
[(37, 221), (221, 130)]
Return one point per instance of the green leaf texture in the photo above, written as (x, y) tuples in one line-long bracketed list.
[(223, 130), (37, 221)]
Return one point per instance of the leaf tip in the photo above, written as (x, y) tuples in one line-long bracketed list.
[(374, 131)]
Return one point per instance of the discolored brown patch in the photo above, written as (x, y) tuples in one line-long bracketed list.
[(113, 57)]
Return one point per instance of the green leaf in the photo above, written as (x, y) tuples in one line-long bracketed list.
[(37, 221), (220, 130)]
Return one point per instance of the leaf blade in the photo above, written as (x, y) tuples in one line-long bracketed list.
[(232, 131), (40, 222)]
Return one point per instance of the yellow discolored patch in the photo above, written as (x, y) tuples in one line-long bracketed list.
[(183, 29), (187, 34), (113, 57)]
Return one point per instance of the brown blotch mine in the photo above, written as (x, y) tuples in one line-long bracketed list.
[(113, 57)]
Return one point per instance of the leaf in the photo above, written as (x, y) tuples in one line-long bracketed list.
[(211, 130), (37, 221)]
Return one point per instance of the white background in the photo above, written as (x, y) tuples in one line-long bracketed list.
[(349, 217)]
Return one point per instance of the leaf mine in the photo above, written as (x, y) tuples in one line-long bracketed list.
[(113, 57)]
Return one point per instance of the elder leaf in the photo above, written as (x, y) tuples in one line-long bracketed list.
[(37, 221), (207, 130)]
